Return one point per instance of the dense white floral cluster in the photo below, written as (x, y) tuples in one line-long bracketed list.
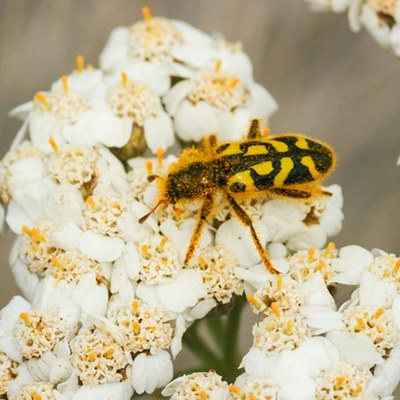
[(307, 347), (380, 17), (107, 299)]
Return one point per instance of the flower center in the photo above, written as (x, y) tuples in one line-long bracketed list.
[(387, 268), (153, 38), (64, 104), (145, 327), (133, 100), (253, 388), (344, 382), (377, 324), (97, 358), (280, 331), (219, 90), (37, 332), (159, 260)]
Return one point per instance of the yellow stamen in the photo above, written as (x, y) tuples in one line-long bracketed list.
[(266, 132), (25, 317), (160, 155), (311, 253), (233, 82), (329, 248), (360, 324), (234, 389), (135, 307), (379, 312), (57, 263), (217, 67), (178, 213), (162, 243), (320, 266), (202, 262), (275, 309), (149, 166), (145, 251), (136, 327), (396, 268), (37, 397), (124, 78), (110, 352), (92, 357), (80, 63), (203, 395), (36, 235), (279, 282), (289, 327), (339, 382), (26, 230), (90, 202), (64, 80), (253, 301), (252, 396), (43, 99), (53, 145), (146, 13), (358, 390)]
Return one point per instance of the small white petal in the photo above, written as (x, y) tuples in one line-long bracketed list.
[(67, 237), (375, 292), (91, 297), (150, 372), (101, 248), (173, 98), (356, 349), (159, 132), (106, 391), (193, 121), (184, 292)]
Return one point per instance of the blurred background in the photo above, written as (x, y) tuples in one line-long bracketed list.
[(329, 83)]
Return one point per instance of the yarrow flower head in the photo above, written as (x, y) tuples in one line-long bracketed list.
[(39, 331), (145, 328), (97, 358), (200, 385)]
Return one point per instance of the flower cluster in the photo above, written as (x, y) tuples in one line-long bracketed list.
[(325, 352), (379, 17), (107, 299)]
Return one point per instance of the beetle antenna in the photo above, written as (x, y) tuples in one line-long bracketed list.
[(143, 219)]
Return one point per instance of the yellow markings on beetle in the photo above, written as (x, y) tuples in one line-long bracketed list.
[(286, 166), (308, 162), (233, 148), (243, 177), (256, 149), (301, 143), (264, 168), (279, 146)]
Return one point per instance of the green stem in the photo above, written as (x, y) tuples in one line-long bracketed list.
[(200, 348), (232, 333), (216, 327)]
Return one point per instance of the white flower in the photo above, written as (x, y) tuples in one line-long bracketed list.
[(9, 317), (155, 49), (151, 372), (216, 102), (184, 292), (350, 264), (197, 385), (106, 391)]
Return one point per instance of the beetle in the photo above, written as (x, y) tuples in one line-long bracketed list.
[(290, 166)]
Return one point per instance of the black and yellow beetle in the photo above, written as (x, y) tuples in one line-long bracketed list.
[(290, 166)]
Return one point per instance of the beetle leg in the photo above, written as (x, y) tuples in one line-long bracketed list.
[(204, 215), (246, 220), (254, 129), (292, 193)]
